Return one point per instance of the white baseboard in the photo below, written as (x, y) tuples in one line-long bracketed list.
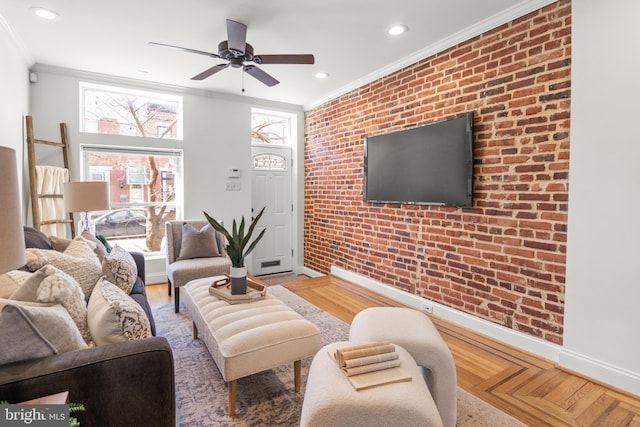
[(159, 277), (517, 339), (601, 371), (308, 271), (582, 364)]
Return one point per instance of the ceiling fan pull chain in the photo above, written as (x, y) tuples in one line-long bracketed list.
[(242, 80)]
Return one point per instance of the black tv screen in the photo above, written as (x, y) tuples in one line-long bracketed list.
[(430, 164)]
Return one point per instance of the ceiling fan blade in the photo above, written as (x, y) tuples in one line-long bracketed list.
[(185, 49), (209, 72), (256, 72), (284, 59), (237, 37)]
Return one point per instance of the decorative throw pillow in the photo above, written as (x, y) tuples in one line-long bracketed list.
[(59, 244), (36, 239), (198, 243), (32, 330), (120, 268), (11, 281), (50, 285), (78, 261), (100, 250), (114, 316)]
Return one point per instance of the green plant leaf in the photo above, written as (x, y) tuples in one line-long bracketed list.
[(237, 240)]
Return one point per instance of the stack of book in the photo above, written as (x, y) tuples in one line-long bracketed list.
[(369, 365)]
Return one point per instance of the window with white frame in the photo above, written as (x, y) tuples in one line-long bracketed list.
[(145, 192), (122, 111), (272, 127)]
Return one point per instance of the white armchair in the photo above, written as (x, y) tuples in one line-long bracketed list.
[(198, 252)]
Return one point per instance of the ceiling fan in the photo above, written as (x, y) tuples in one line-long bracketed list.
[(238, 52)]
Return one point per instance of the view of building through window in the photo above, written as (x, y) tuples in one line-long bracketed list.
[(143, 182), (119, 111), (144, 192)]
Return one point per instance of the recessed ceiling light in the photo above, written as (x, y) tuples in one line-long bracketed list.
[(396, 30), (321, 75), (45, 13)]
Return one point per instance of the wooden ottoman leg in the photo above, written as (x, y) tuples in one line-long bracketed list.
[(297, 365), (232, 397), (195, 331)]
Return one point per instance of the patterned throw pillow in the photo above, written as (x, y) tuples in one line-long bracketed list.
[(78, 261), (50, 285), (114, 316), (120, 268), (198, 243)]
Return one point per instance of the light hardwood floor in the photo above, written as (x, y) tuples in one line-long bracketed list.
[(531, 389)]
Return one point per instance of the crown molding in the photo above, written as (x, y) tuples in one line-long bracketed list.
[(17, 42), (160, 87), (516, 11)]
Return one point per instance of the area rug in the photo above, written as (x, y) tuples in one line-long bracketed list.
[(266, 398)]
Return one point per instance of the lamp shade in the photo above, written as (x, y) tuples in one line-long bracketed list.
[(12, 254), (86, 196)]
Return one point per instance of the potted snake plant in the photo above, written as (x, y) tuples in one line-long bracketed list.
[(238, 247)]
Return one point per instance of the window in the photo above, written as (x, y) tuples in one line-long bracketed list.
[(145, 193), (120, 111), (269, 161), (272, 127), (136, 175)]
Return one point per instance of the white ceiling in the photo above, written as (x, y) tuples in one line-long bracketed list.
[(347, 37)]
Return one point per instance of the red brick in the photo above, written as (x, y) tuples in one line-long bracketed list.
[(503, 260)]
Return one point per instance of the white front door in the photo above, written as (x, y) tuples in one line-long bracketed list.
[(271, 182)]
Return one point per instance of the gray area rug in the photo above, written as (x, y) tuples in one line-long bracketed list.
[(266, 398)]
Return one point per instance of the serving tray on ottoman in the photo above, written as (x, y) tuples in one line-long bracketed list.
[(221, 288)]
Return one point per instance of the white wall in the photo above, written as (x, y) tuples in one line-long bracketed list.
[(603, 290), (216, 137), (14, 87)]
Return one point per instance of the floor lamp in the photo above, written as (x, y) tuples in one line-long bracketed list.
[(85, 197), (12, 252)]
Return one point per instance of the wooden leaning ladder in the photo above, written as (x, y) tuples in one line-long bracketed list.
[(33, 183)]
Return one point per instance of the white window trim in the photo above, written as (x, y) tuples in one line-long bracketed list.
[(127, 91)]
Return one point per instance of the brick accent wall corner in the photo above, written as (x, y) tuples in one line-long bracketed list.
[(502, 260)]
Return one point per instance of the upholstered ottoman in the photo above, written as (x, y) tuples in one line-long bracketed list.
[(331, 400), (415, 332), (244, 339)]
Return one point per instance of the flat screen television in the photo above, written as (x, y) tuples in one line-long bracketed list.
[(428, 164)]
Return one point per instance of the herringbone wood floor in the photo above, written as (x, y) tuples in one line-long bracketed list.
[(529, 388)]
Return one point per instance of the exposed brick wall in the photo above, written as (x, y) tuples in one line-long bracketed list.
[(502, 260)]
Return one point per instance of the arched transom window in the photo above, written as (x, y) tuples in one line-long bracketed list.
[(269, 161)]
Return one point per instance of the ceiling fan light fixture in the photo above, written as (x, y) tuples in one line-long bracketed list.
[(397, 30), (43, 13), (237, 52)]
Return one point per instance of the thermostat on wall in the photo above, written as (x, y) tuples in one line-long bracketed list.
[(234, 173)]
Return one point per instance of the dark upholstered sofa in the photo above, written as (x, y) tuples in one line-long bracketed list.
[(121, 384)]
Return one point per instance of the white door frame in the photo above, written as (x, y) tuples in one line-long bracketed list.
[(274, 253)]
